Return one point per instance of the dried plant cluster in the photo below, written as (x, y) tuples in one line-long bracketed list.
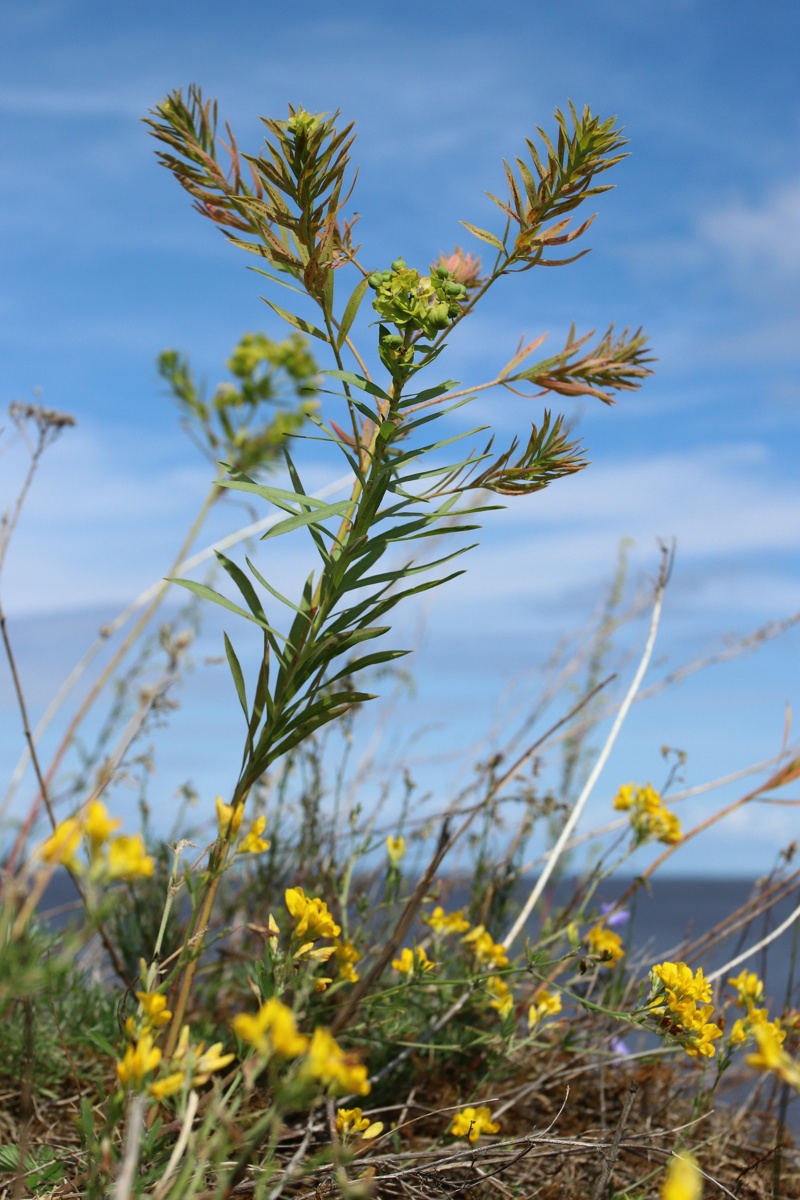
[(301, 1007)]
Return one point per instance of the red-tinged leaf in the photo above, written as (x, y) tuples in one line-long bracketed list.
[(484, 235)]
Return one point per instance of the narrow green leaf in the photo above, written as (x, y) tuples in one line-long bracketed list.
[(207, 593), (277, 279), (307, 518), (244, 585), (236, 672), (349, 315), (297, 322), (369, 660), (358, 381)]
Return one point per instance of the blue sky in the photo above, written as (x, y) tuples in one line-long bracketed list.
[(104, 265)]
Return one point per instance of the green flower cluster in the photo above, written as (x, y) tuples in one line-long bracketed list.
[(414, 302)]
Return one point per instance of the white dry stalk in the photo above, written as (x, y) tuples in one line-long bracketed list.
[(179, 1147), (130, 1156), (740, 958), (580, 804)]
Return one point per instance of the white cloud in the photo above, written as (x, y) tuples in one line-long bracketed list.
[(762, 237)]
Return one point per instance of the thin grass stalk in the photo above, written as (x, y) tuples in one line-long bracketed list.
[(580, 804)]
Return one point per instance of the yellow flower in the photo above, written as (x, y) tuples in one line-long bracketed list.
[(442, 922), (681, 984), (140, 1059), (352, 1120), (605, 942), (548, 1005), (396, 848), (472, 1122), (346, 955), (253, 842), (98, 826), (749, 987), (683, 1181), (127, 858), (339, 1072), (208, 1061), (312, 919), (228, 818), (503, 997), (155, 1008), (411, 960), (167, 1086), (738, 1033), (273, 1030), (771, 1055), (60, 847), (701, 1032), (649, 816), (484, 947)]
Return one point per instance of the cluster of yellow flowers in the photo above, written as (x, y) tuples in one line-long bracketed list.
[(274, 1034), (650, 819), (679, 1000), (442, 922), (470, 1123), (189, 1064), (110, 858), (313, 921), (769, 1035)]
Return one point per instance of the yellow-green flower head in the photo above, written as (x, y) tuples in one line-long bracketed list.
[(311, 916), (470, 1123), (488, 952), (604, 941), (682, 1181), (395, 848), (128, 858), (272, 1031), (60, 847), (98, 826), (350, 1121), (412, 961), (442, 922), (338, 1072), (413, 302)]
